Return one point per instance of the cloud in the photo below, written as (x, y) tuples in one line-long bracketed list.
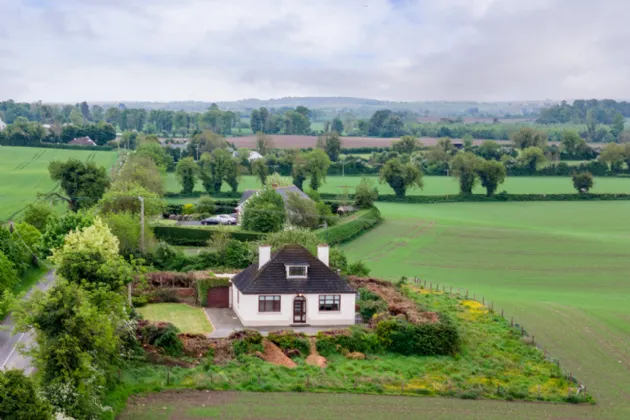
[(73, 50)]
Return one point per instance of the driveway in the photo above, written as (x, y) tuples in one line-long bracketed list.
[(225, 322)]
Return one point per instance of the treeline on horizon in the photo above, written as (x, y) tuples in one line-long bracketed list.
[(594, 120)]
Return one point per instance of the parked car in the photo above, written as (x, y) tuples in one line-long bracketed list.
[(221, 219)]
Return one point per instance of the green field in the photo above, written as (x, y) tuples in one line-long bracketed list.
[(24, 173), (560, 268), (439, 185)]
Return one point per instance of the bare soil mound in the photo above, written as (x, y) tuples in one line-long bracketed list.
[(314, 358), (274, 355)]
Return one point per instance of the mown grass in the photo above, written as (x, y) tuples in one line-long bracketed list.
[(561, 269), (435, 185), (188, 319), (494, 362), (24, 173)]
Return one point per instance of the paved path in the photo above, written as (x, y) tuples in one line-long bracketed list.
[(10, 357)]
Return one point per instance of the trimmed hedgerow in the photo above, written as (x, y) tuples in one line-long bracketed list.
[(430, 339), (345, 232), (179, 235), (356, 338)]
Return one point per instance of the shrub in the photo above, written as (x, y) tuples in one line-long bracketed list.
[(8, 274), (358, 268), (246, 342), (19, 399), (163, 336), (355, 338), (430, 339), (188, 209), (237, 254), (582, 182), (290, 341), (368, 308), (205, 204), (350, 230), (139, 301), (165, 296)]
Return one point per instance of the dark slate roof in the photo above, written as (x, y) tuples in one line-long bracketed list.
[(272, 278), (283, 191)]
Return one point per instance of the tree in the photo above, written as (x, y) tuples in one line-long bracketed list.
[(468, 142), (216, 168), (365, 194), (20, 399), (528, 137), (530, 158), (305, 237), (301, 212), (205, 204), (83, 183), (259, 169), (76, 117), (8, 273), (490, 149), (158, 154), (491, 173), (400, 176), (582, 181), (77, 342), (332, 145), (264, 212), (142, 170), (125, 226), (206, 141), (275, 180), (572, 143), (317, 163), (264, 143), (591, 125), (124, 196), (59, 227), (464, 167), (186, 172), (337, 126), (27, 238), (256, 122), (613, 154), (299, 171), (617, 126), (406, 144), (37, 214)]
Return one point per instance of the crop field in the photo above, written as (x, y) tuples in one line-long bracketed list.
[(24, 173), (559, 268), (439, 185)]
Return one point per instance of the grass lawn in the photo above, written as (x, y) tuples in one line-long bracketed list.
[(437, 185), (188, 319), (24, 173), (560, 268)]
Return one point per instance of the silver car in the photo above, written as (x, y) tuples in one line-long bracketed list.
[(220, 219)]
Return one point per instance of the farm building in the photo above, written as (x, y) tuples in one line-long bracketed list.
[(292, 288), (83, 141)]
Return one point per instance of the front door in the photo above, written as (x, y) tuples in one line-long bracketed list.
[(299, 310)]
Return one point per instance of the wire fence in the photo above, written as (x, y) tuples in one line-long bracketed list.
[(514, 324)]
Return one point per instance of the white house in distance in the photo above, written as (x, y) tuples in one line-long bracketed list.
[(292, 288), (3, 125), (253, 155)]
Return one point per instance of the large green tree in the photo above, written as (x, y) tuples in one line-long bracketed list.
[(83, 183), (216, 168), (301, 212), (332, 145), (400, 176), (158, 154), (464, 167), (125, 196), (38, 214), (582, 181), (365, 194), (531, 158), (491, 174), (264, 143), (317, 164), (143, 171), (20, 399), (529, 137), (259, 170), (187, 172), (264, 212), (406, 144)]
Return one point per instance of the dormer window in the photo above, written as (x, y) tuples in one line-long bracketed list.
[(297, 271)]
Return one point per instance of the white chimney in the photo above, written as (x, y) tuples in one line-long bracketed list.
[(264, 255), (323, 253)]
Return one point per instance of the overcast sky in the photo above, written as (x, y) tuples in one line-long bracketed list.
[(211, 50)]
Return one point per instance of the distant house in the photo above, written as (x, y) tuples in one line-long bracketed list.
[(253, 155), (346, 209), (291, 288), (82, 141), (283, 191), (3, 125)]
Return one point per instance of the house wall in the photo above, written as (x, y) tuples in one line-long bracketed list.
[(246, 308)]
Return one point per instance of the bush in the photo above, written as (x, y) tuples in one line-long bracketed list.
[(19, 399), (165, 296), (246, 342), (163, 336), (139, 301), (237, 254), (430, 339), (358, 268), (350, 230), (177, 235), (355, 338), (205, 204), (290, 341), (368, 308), (188, 209)]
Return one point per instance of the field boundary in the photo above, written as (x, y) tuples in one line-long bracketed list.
[(489, 305)]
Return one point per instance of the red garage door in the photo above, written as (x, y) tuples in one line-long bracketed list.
[(219, 297)]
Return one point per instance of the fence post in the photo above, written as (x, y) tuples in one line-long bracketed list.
[(259, 380), (475, 296), (451, 291), (498, 389), (466, 293), (402, 386), (307, 381), (431, 285), (522, 331), (533, 340), (483, 301), (501, 313), (492, 306), (512, 322), (168, 377)]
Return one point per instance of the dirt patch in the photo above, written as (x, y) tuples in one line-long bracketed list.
[(223, 351), (397, 303), (274, 355), (314, 358), (196, 345)]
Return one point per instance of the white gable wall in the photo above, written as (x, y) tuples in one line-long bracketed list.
[(246, 308)]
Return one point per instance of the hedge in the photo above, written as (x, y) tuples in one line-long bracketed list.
[(345, 232), (66, 146), (504, 196), (220, 207), (179, 235), (206, 284), (197, 194)]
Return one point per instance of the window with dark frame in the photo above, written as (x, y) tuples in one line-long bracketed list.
[(329, 303), (268, 303), (297, 271)]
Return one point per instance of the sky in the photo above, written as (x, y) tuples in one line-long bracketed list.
[(401, 50)]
